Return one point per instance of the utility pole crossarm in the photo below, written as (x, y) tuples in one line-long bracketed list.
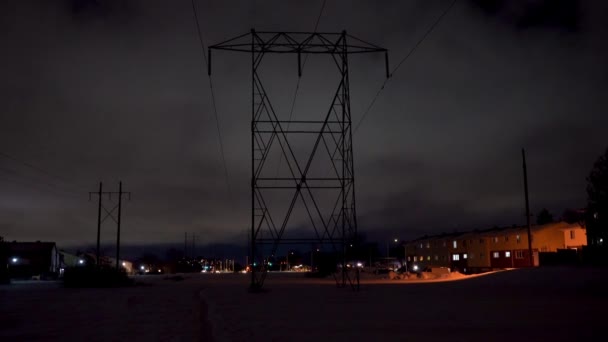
[(298, 43)]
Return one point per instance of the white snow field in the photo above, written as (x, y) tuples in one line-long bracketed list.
[(543, 304)]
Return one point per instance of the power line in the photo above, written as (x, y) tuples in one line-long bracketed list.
[(295, 94), (40, 170), (217, 120), (410, 53), (40, 187)]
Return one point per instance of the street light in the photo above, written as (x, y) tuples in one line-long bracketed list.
[(387, 247), (288, 259), (14, 260), (388, 253)]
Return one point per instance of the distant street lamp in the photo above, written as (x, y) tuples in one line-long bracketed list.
[(388, 245), (14, 260), (288, 259)]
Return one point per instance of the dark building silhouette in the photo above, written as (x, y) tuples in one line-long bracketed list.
[(27, 260)]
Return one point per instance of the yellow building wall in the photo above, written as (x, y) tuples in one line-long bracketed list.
[(479, 254)]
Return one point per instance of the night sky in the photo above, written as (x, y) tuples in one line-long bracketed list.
[(117, 90)]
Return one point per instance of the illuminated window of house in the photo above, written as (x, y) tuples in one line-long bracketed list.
[(455, 257), (507, 254), (436, 257), (428, 245), (464, 256), (519, 254), (518, 238), (495, 239), (408, 258), (496, 255), (420, 245), (428, 258), (572, 234), (455, 244), (421, 258)]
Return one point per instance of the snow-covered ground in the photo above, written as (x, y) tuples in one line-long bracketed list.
[(556, 304)]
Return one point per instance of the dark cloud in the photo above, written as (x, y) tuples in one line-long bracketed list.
[(528, 14), (117, 90)]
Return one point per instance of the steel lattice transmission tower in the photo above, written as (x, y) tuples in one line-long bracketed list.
[(303, 188)]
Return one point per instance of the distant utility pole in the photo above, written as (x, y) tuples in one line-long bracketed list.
[(110, 214), (193, 246), (185, 245), (523, 154)]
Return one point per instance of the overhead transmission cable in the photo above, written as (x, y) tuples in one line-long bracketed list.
[(217, 119), (71, 187), (295, 94), (408, 55)]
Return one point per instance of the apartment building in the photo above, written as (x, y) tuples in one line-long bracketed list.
[(496, 248)]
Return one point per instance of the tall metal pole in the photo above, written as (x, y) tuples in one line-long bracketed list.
[(345, 126), (185, 245), (98, 224), (523, 154), (118, 225), (252, 249)]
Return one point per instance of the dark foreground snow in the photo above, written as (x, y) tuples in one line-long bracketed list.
[(559, 304)]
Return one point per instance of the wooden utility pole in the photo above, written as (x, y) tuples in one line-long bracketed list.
[(523, 154), (109, 214), (186, 245), (98, 224), (118, 226)]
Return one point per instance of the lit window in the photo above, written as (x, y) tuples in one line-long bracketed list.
[(455, 257), (428, 258), (507, 254), (408, 258), (464, 256), (455, 244), (518, 238), (495, 239), (436, 257), (496, 255), (420, 245), (572, 235), (421, 258), (428, 245)]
